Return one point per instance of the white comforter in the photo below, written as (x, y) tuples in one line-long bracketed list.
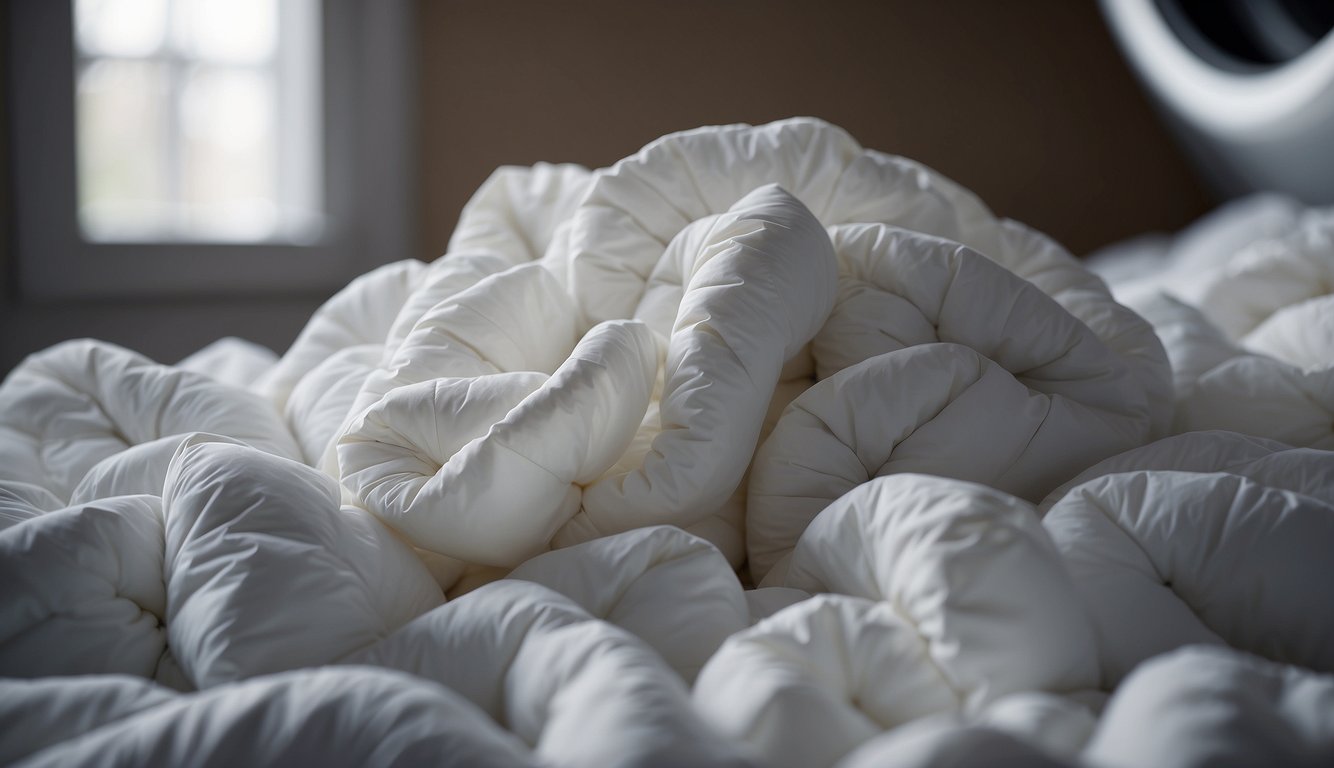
[(508, 508)]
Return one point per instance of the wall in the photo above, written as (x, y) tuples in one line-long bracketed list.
[(1027, 102)]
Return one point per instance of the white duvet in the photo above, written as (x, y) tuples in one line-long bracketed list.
[(754, 448)]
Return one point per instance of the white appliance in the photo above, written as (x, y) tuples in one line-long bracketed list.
[(1247, 85)]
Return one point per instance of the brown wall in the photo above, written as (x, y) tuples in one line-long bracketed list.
[(1027, 102)]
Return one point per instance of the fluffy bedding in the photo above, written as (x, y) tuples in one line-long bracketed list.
[(755, 448)]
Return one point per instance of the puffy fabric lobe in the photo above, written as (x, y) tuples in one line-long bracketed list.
[(1138, 269), (635, 208), (578, 690), (940, 743), (1194, 345), (1221, 386), (1301, 470), (970, 569), (1251, 571), (21, 501), (322, 400), (1045, 263), (896, 286), (1301, 334), (757, 292), (516, 211), (726, 528), (443, 279), (899, 288), (764, 602), (1204, 706), (1051, 396), (1262, 396), (232, 361), (36, 714), (265, 573), (84, 591), (138, 470), (361, 313), (810, 683), (1022, 729), (672, 590), (494, 486), (1059, 725), (1266, 276), (334, 717), (1019, 730), (666, 285), (821, 448), (67, 408), (518, 320)]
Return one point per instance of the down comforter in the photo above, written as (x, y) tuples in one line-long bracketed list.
[(757, 447)]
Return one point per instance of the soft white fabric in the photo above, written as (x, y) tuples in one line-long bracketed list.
[(633, 209), (36, 714), (1300, 334), (443, 279), (756, 290), (810, 683), (578, 690), (21, 501), (515, 212), (321, 401), (138, 470), (266, 573), (84, 590), (1146, 266), (1267, 276), (1219, 385), (766, 601), (1301, 470), (322, 717), (517, 320), (67, 408), (970, 568), (508, 472), (231, 361), (674, 591), (525, 475), (1262, 396), (1204, 706), (361, 313), (1167, 559), (950, 597), (1051, 397), (946, 744)]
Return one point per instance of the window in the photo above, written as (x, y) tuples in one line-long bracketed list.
[(192, 148), (197, 120)]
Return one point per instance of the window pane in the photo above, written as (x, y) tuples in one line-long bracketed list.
[(123, 176), (215, 136), (120, 27), (233, 31), (229, 158)]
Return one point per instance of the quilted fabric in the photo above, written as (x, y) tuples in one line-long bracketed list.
[(754, 448), (67, 408), (929, 336)]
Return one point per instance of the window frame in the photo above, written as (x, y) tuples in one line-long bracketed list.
[(368, 191)]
